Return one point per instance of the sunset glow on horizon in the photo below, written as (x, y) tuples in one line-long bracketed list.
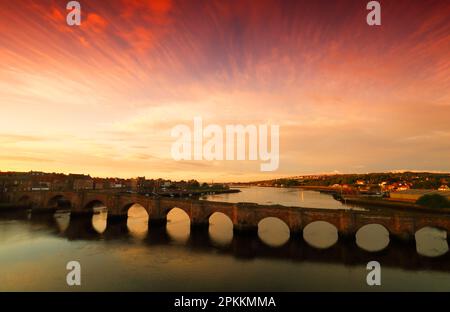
[(103, 97)]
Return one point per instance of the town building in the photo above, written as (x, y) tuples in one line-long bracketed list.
[(80, 182)]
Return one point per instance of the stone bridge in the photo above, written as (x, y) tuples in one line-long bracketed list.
[(244, 216)]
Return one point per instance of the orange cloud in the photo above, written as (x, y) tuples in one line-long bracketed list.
[(134, 69), (155, 12), (94, 23), (57, 15)]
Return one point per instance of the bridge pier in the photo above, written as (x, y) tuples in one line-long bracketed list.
[(199, 226), (296, 233), (44, 218), (80, 227), (157, 236), (346, 236), (15, 207), (115, 227), (43, 210), (245, 246), (81, 214), (199, 235), (157, 222), (245, 229), (116, 218), (403, 237)]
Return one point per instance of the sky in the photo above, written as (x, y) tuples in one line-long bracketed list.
[(101, 98)]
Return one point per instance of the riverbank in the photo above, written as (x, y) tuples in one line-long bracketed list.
[(323, 189), (372, 201), (388, 203)]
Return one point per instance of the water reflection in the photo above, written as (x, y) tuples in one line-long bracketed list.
[(273, 232), (81, 227), (320, 234), (372, 237), (62, 220), (8, 215), (43, 222), (116, 229), (99, 219), (165, 257), (431, 242), (137, 221), (155, 263), (178, 225), (252, 247), (220, 229)]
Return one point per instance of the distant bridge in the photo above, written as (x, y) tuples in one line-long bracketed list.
[(244, 216)]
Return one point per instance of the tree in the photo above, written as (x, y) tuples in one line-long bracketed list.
[(193, 183), (433, 201)]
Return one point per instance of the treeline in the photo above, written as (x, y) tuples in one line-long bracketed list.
[(434, 201), (423, 180)]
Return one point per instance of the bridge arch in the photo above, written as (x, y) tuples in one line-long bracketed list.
[(220, 228), (94, 203), (386, 223), (431, 225), (99, 220), (273, 231), (431, 241), (316, 215), (59, 201), (372, 237), (137, 219), (320, 234), (124, 209), (176, 208), (380, 224), (226, 214), (219, 214), (178, 224)]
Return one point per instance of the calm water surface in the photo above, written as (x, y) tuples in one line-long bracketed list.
[(34, 251)]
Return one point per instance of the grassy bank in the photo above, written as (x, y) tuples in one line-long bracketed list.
[(389, 203)]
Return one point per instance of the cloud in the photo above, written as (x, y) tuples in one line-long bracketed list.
[(24, 159), (343, 93), (6, 138)]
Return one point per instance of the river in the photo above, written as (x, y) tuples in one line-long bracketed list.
[(35, 249)]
